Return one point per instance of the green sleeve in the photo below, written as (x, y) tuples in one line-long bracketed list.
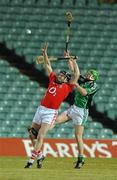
[(92, 90)]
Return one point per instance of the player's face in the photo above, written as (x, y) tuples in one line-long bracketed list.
[(61, 78), (89, 76)]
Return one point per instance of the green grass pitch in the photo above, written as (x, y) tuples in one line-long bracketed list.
[(12, 168)]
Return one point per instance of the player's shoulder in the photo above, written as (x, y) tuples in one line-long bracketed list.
[(70, 85), (52, 75), (94, 86)]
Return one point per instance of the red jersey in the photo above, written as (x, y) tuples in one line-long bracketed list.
[(55, 93)]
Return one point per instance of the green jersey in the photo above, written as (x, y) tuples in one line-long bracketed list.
[(85, 101)]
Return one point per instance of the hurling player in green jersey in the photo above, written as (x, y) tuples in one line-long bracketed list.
[(86, 88)]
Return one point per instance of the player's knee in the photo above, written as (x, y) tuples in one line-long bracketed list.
[(33, 133), (31, 136)]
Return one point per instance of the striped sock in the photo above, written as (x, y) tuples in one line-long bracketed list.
[(34, 155), (40, 155)]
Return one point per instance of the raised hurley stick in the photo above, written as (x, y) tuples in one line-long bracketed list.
[(69, 19), (40, 60)]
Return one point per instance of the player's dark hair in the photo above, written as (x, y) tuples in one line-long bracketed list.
[(67, 75)]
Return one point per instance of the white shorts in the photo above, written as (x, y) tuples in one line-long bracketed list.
[(78, 115), (45, 115)]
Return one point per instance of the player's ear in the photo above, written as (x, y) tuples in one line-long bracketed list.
[(92, 78), (65, 80)]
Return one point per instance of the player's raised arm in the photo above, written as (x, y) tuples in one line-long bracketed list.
[(46, 59), (81, 90), (75, 70)]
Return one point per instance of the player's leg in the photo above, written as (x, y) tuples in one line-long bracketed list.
[(36, 123), (48, 116), (62, 118), (79, 117), (79, 139), (38, 145), (42, 132), (33, 132)]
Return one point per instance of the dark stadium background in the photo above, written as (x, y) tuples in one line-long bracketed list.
[(24, 26)]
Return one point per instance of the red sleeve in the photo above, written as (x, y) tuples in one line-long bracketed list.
[(71, 86), (52, 76)]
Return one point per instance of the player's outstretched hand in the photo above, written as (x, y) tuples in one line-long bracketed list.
[(67, 54), (39, 60), (44, 48), (71, 63)]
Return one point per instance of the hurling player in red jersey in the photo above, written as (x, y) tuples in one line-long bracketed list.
[(59, 87)]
